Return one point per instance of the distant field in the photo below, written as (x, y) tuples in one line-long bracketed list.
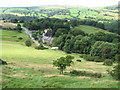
[(95, 13), (31, 68), (90, 29)]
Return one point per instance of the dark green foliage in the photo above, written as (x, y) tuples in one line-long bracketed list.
[(66, 47), (118, 47), (61, 31), (101, 36), (77, 31), (19, 28), (63, 62), (40, 47), (113, 27), (98, 59), (20, 38), (14, 20), (93, 58), (115, 73), (78, 60), (61, 40), (117, 58), (76, 44), (104, 50), (82, 45), (21, 21), (2, 62), (28, 43), (108, 62), (34, 35), (11, 17), (85, 73), (100, 25)]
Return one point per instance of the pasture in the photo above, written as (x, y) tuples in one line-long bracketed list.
[(91, 29), (31, 68)]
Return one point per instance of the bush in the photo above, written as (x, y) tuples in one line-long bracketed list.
[(84, 73), (98, 60), (93, 58), (115, 73), (28, 43), (3, 62), (20, 38), (108, 62), (40, 47), (88, 58), (117, 57), (82, 55)]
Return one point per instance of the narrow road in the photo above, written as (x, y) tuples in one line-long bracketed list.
[(28, 33)]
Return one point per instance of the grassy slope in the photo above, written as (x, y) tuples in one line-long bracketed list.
[(31, 68), (91, 29)]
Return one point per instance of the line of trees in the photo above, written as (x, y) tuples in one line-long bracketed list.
[(55, 24), (98, 44)]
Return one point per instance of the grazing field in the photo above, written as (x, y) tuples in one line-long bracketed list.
[(31, 68), (90, 29)]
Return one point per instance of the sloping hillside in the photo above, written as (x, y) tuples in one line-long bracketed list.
[(91, 29), (102, 14), (31, 68)]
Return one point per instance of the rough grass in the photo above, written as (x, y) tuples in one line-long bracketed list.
[(13, 36), (31, 68)]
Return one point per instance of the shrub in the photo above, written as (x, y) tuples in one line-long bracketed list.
[(28, 43), (20, 38), (88, 58), (108, 62), (85, 73), (98, 59), (78, 60), (40, 47), (117, 57), (3, 62), (93, 58), (115, 73), (82, 55)]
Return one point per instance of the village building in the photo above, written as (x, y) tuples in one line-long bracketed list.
[(47, 36)]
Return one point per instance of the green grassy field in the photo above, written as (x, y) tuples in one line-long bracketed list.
[(31, 68), (91, 29)]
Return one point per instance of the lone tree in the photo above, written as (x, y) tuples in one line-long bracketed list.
[(63, 62)]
